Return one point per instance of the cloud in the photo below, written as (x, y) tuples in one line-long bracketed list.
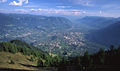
[(63, 7), (19, 3), (59, 11), (111, 7), (19, 9), (82, 2), (30, 6), (100, 12), (3, 0), (71, 12)]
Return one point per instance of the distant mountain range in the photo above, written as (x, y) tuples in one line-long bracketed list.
[(22, 25), (42, 23), (100, 30)]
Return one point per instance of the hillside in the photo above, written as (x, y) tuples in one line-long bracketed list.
[(89, 23), (19, 59), (16, 56), (21, 63), (103, 60), (107, 36), (26, 26)]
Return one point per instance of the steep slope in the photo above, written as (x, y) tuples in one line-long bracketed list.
[(16, 54), (107, 36), (24, 44), (94, 22)]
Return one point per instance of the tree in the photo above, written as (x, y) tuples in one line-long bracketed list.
[(101, 55), (1, 47), (12, 62), (118, 52), (13, 48), (40, 63), (77, 62), (31, 59), (111, 47), (86, 60), (55, 61)]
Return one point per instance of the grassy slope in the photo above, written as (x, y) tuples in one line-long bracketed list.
[(21, 61)]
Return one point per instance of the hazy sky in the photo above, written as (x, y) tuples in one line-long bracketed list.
[(110, 8)]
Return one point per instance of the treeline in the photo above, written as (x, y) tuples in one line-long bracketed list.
[(108, 60), (14, 47), (44, 59)]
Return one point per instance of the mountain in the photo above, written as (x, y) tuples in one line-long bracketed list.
[(23, 25), (42, 23), (107, 36), (94, 22)]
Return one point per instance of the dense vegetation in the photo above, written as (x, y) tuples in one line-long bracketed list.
[(16, 46), (101, 61)]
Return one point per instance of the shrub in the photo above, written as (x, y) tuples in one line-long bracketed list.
[(12, 62)]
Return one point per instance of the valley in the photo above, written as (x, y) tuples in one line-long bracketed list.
[(52, 34), (57, 35)]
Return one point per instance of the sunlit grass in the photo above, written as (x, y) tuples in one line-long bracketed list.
[(18, 58)]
